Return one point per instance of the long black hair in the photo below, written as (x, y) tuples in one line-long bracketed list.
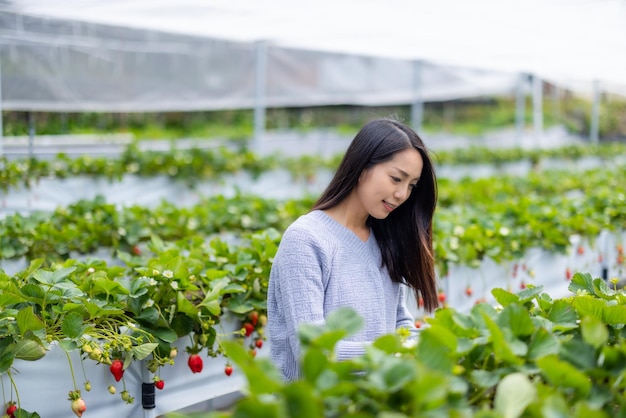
[(405, 237)]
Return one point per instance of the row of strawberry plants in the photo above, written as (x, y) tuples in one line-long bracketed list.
[(87, 225), (193, 165), (136, 309), (498, 217), (531, 356), (139, 307)]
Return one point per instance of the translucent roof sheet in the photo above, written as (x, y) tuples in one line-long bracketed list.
[(569, 42)]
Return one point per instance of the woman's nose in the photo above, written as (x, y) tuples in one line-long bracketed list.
[(401, 193)]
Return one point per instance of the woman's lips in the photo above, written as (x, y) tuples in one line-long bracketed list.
[(388, 206)]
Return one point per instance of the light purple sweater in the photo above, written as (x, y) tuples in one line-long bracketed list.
[(319, 267)]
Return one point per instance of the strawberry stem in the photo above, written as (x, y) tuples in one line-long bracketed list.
[(17, 393), (69, 360), (82, 366)]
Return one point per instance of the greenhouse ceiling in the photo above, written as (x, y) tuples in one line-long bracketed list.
[(203, 54)]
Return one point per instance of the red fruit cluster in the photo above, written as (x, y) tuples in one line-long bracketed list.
[(195, 363), (159, 384), (228, 370), (117, 369)]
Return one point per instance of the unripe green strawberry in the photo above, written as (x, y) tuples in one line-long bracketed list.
[(126, 396), (96, 354), (173, 352), (112, 389), (87, 386)]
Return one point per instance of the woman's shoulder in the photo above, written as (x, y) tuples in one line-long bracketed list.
[(313, 226), (309, 224)]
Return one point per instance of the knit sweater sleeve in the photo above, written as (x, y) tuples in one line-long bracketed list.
[(296, 287), (404, 318)]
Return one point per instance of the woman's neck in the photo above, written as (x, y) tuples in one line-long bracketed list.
[(351, 215)]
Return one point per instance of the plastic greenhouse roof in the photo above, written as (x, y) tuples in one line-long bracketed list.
[(568, 42), (577, 39)]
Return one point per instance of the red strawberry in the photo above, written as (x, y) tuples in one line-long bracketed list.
[(195, 363), (228, 370), (420, 302), (136, 250), (418, 324), (522, 285), (159, 384), (619, 248), (258, 343), (442, 297), (252, 353), (469, 291), (254, 317), (117, 369), (568, 273), (11, 410), (581, 250), (78, 407), (249, 328)]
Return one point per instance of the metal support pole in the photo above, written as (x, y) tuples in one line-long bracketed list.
[(537, 109), (595, 114), (417, 107), (31, 135), (260, 94), (520, 105)]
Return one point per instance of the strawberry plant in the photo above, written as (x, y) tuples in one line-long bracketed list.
[(115, 315), (530, 356)]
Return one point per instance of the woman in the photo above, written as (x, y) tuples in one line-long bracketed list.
[(368, 235)]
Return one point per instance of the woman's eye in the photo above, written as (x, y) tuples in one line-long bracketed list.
[(395, 179)]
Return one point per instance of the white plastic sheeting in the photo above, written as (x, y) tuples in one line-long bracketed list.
[(141, 55), (60, 65)]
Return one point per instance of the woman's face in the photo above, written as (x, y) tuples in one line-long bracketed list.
[(385, 186)]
